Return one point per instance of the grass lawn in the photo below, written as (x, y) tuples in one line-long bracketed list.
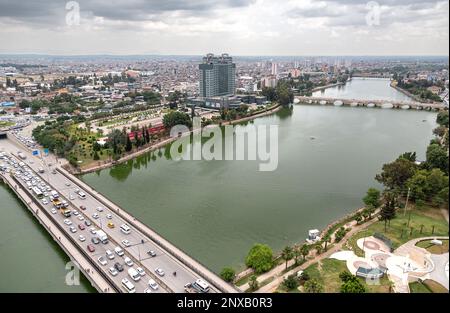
[(427, 286), (432, 248), (351, 243), (6, 124), (398, 231), (327, 274)]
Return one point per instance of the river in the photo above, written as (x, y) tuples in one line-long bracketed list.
[(216, 210), (363, 89)]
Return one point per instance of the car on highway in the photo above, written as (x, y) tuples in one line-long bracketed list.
[(80, 217), (128, 261), (113, 271), (153, 284), (44, 201), (67, 222), (141, 271), (73, 229), (54, 211), (93, 230), (126, 243), (81, 227), (109, 216), (95, 240), (95, 216), (134, 274), (151, 253), (71, 197), (91, 248), (128, 286), (82, 238), (118, 251), (102, 260), (82, 207), (159, 271), (100, 209), (109, 254), (75, 212), (147, 290), (87, 223), (67, 184), (118, 267), (110, 225)]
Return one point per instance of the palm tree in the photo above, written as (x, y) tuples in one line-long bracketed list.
[(326, 239), (304, 250), (287, 254), (297, 253)]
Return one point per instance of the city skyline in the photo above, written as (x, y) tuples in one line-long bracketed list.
[(239, 27)]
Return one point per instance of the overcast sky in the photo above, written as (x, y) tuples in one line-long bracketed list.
[(238, 27)]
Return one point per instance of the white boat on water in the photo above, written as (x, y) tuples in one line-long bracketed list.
[(405, 107), (371, 105), (387, 105), (322, 102), (354, 104), (338, 103)]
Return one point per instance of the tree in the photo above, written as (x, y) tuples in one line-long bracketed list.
[(260, 258), (176, 118), (340, 233), (304, 250), (228, 274), (326, 239), (313, 286), (394, 175), (345, 276), (270, 93), (353, 285), (291, 282), (297, 253), (388, 209), (129, 145), (410, 156), (437, 158), (442, 118), (287, 254), (253, 282), (426, 184), (372, 198)]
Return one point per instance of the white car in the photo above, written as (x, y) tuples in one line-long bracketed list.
[(95, 216), (71, 197), (73, 229), (147, 290), (80, 217), (109, 254), (128, 261), (159, 271), (119, 251), (102, 260), (109, 216), (75, 212), (44, 201), (126, 243), (93, 230), (141, 271), (113, 271), (67, 222), (100, 209), (67, 184), (153, 284), (82, 238)]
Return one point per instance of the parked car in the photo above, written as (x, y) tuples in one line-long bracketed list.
[(82, 238), (141, 271), (87, 223), (118, 251), (95, 240), (91, 248), (67, 222), (153, 284), (113, 271), (81, 227), (73, 229), (109, 254)]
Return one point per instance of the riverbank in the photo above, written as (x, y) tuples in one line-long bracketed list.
[(327, 86), (159, 144)]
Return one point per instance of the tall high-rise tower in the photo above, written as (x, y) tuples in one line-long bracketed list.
[(217, 76)]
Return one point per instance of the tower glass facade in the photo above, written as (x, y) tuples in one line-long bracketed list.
[(217, 76)]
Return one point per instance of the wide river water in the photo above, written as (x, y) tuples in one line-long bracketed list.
[(216, 210)]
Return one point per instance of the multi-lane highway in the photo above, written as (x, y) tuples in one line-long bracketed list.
[(136, 245)]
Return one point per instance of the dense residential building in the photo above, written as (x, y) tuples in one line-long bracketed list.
[(217, 76)]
